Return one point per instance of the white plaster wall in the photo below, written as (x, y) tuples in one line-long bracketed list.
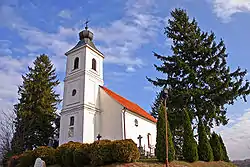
[(144, 127), (64, 126), (69, 87), (93, 79), (111, 117)]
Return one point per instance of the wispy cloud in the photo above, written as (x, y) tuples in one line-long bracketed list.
[(236, 137), (66, 14), (224, 9), (123, 37), (11, 70)]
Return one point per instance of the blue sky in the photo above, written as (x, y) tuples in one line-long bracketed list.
[(126, 32)]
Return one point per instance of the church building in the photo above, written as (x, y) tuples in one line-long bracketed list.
[(93, 112)]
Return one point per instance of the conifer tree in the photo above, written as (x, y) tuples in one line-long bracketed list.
[(156, 104), (161, 138), (197, 72), (190, 152), (224, 150), (171, 149), (216, 147), (205, 151), (36, 109)]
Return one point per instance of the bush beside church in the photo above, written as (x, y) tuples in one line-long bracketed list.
[(75, 154)]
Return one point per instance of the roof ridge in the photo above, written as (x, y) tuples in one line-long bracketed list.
[(129, 104)]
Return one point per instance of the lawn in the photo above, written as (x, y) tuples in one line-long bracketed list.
[(172, 164), (175, 164)]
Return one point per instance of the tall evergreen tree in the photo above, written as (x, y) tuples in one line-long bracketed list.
[(156, 104), (161, 138), (197, 72), (205, 151), (190, 152), (224, 150), (216, 147), (36, 109)]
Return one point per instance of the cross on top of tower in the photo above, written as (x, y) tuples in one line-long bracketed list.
[(86, 24)]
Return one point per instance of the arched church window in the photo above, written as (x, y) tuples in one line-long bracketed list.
[(73, 92), (94, 64), (136, 122), (71, 121), (76, 63)]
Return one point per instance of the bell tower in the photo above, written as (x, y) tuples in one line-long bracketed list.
[(81, 104)]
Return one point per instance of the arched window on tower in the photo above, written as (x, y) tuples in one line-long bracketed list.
[(94, 64), (76, 63)]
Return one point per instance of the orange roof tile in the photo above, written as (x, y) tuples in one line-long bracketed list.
[(129, 105)]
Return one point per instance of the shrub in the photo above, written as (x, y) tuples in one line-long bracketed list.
[(216, 147), (125, 151), (64, 154), (81, 155), (204, 148), (190, 152), (161, 138), (47, 154), (101, 152), (27, 159), (224, 150)]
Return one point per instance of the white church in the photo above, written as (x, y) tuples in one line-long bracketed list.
[(91, 111)]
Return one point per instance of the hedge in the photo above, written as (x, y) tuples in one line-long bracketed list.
[(75, 154), (65, 153), (81, 155), (125, 151), (101, 153)]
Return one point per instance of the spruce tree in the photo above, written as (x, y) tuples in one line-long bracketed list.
[(224, 150), (161, 138), (156, 104), (216, 147), (36, 109), (205, 151), (190, 152), (197, 72)]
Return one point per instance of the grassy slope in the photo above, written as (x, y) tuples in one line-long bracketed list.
[(175, 164), (172, 164)]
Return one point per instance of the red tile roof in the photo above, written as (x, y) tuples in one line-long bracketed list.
[(129, 105)]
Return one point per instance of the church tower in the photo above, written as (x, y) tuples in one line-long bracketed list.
[(80, 116)]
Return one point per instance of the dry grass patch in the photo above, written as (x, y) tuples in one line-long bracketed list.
[(173, 164)]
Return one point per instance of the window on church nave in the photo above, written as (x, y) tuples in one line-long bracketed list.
[(71, 121), (136, 122), (94, 64), (76, 63)]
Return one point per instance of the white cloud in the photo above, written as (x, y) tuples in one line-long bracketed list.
[(130, 69), (66, 14), (123, 37), (224, 9), (11, 70), (236, 137)]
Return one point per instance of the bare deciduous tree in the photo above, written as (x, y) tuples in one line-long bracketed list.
[(6, 132)]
